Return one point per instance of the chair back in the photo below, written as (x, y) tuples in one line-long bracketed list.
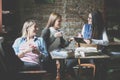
[(9, 62), (3, 67)]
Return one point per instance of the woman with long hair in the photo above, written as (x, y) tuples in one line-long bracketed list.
[(53, 37), (94, 32)]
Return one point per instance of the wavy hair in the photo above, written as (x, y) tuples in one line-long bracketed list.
[(26, 25)]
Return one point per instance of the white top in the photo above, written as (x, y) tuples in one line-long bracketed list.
[(104, 41)]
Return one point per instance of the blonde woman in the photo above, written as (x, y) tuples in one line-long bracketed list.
[(30, 48)]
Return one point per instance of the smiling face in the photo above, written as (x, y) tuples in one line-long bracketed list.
[(32, 30), (57, 23), (90, 18)]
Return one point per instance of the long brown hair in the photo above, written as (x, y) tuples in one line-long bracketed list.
[(97, 24), (53, 17)]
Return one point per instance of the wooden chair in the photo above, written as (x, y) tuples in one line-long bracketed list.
[(87, 65)]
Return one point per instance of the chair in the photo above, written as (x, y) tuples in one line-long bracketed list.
[(87, 65), (2, 65), (8, 63), (32, 74)]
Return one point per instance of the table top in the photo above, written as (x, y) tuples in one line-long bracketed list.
[(96, 56), (101, 56), (114, 43)]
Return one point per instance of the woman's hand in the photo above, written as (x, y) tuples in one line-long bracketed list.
[(88, 41), (79, 35), (58, 34), (70, 39), (32, 49), (35, 50)]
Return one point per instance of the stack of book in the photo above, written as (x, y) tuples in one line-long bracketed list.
[(86, 51)]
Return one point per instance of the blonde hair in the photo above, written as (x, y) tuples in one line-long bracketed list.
[(26, 25), (53, 17)]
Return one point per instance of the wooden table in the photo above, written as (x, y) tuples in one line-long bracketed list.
[(114, 43), (102, 56), (57, 58)]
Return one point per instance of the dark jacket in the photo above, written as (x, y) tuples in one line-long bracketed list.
[(49, 40)]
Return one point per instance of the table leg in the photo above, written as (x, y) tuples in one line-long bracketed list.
[(58, 70)]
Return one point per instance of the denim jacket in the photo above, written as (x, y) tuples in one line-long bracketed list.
[(38, 41)]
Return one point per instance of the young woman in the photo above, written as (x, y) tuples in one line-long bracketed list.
[(53, 37), (94, 32), (29, 48), (52, 33)]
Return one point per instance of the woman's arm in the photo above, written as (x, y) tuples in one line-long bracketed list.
[(16, 44), (63, 42), (42, 47), (46, 36), (104, 41), (83, 30), (15, 47)]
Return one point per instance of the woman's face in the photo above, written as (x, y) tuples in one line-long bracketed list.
[(90, 18), (57, 23), (32, 31)]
